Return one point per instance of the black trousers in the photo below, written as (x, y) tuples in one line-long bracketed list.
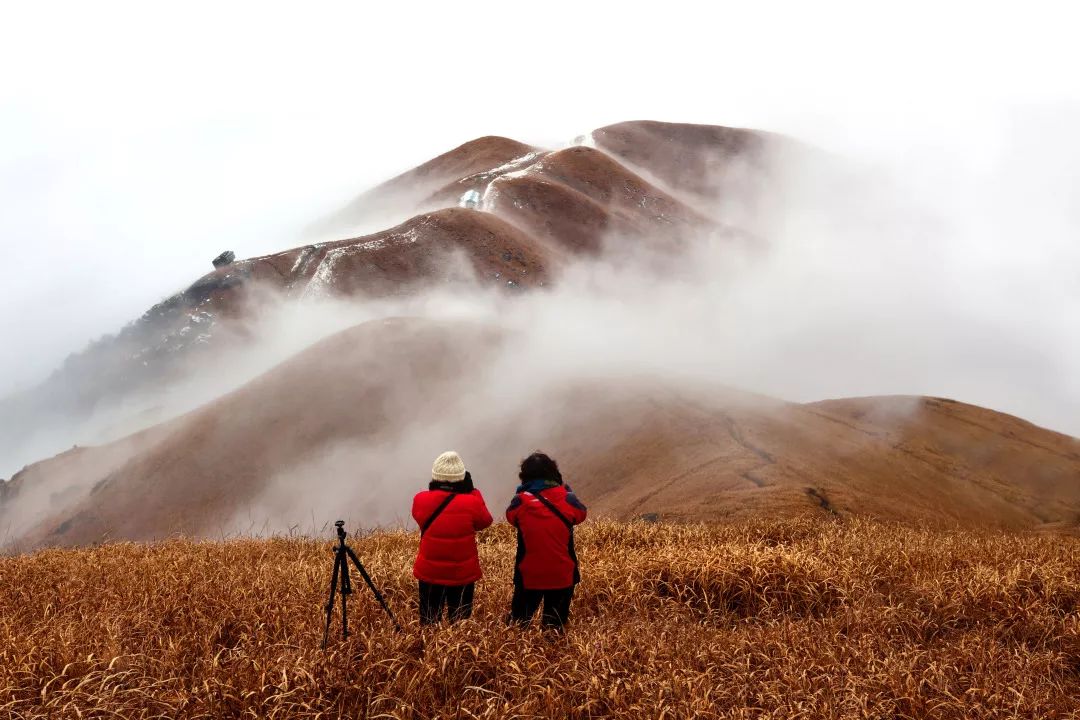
[(556, 606), (457, 599)]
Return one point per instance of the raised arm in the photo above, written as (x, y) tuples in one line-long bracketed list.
[(578, 511), (481, 515), (416, 509), (513, 511)]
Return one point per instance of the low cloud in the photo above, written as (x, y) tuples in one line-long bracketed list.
[(869, 278)]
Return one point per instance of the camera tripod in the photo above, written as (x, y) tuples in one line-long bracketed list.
[(342, 554)]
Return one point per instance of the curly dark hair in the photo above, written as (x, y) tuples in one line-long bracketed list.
[(539, 466)]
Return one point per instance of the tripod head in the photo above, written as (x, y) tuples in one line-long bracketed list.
[(340, 525)]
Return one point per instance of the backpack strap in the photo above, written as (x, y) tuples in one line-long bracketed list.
[(551, 506), (442, 506)]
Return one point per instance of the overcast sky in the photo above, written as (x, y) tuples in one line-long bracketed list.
[(136, 143)]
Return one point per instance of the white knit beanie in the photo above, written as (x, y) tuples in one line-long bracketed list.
[(448, 467)]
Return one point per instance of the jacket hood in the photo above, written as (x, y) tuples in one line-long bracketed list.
[(534, 486)]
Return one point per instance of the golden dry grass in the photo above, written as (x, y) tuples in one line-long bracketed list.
[(793, 619)]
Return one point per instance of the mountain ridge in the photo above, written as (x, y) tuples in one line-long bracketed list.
[(511, 218)]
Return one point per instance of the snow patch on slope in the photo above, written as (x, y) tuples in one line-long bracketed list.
[(322, 280)]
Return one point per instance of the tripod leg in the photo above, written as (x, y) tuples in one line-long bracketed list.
[(330, 602), (370, 584), (346, 590)]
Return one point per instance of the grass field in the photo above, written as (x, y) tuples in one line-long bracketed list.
[(794, 619)]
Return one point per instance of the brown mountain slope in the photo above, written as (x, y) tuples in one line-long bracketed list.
[(594, 188), (579, 197), (558, 216), (605, 180), (542, 206), (686, 158), (407, 192), (419, 252), (538, 207), (350, 425)]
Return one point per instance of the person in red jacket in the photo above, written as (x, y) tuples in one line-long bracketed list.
[(544, 511), (450, 513)]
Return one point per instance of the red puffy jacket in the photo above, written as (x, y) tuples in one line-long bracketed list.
[(545, 556), (447, 553)]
